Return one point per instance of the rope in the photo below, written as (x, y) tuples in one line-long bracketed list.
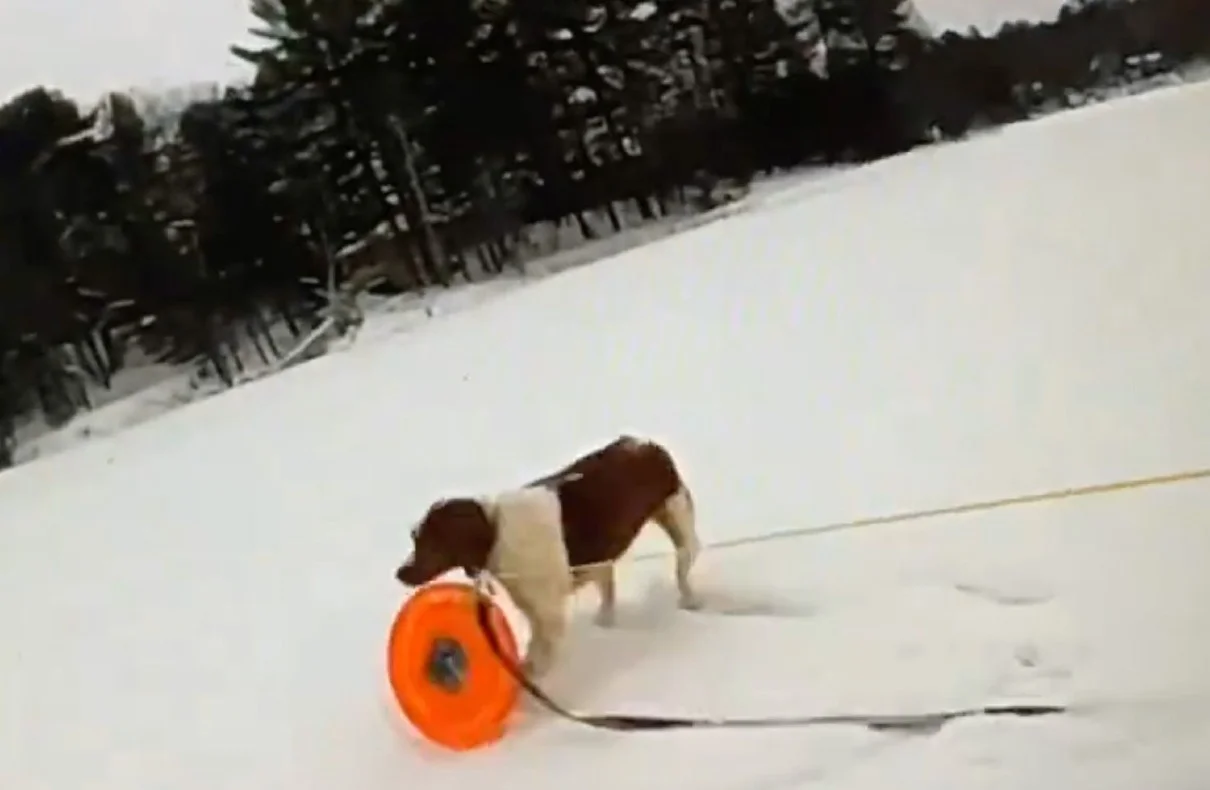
[(925, 723), (977, 506), (902, 517), (919, 723)]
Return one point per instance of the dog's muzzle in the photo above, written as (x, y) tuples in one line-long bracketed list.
[(406, 573)]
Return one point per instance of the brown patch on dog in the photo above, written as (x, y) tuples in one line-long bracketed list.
[(609, 494), (454, 533)]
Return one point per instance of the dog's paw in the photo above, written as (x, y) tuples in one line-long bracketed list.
[(691, 602), (605, 618)]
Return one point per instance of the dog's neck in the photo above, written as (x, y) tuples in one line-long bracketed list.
[(492, 511)]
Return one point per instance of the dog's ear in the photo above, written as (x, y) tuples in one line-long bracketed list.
[(468, 532)]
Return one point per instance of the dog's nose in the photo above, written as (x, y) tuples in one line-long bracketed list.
[(405, 572)]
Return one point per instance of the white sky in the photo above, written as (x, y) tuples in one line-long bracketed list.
[(87, 47), (986, 15)]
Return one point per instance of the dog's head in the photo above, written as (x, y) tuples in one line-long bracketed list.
[(454, 533)]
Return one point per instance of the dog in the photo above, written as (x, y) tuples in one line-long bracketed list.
[(548, 538)]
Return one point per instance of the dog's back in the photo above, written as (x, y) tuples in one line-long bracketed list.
[(609, 494)]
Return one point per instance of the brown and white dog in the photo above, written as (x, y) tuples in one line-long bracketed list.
[(545, 540)]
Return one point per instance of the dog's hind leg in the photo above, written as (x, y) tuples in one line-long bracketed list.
[(603, 577), (676, 517)]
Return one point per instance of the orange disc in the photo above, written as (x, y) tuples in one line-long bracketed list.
[(449, 682)]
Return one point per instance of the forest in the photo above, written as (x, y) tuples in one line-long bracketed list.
[(389, 146)]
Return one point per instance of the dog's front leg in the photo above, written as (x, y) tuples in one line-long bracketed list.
[(548, 622), (548, 630)]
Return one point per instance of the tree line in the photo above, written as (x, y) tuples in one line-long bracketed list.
[(395, 145)]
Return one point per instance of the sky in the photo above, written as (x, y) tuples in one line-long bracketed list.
[(985, 15), (85, 49)]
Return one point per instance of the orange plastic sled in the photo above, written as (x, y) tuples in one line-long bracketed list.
[(446, 678)]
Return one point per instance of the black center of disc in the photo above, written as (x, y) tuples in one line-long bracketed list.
[(447, 664)]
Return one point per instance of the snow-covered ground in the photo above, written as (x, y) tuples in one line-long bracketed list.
[(143, 389), (202, 601)]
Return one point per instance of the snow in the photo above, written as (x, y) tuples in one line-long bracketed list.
[(144, 389), (202, 601)]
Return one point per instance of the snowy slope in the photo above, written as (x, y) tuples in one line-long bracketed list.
[(143, 389), (202, 601)]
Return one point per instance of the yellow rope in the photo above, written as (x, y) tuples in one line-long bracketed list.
[(952, 510), (938, 512)]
